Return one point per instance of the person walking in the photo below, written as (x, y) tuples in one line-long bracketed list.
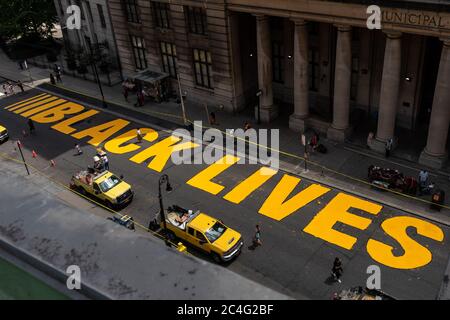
[(125, 93), (58, 76), (52, 79), (369, 140), (212, 118), (257, 237), (11, 88), (20, 85), (78, 150), (423, 178), (388, 147), (5, 89), (337, 270), (31, 126), (105, 162), (247, 126), (139, 135)]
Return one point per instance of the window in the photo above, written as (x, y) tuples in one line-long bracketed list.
[(169, 58), (200, 236), (354, 78), (109, 183), (60, 7), (196, 18), (78, 3), (203, 68), (138, 46), (161, 14), (101, 15), (131, 11), (313, 69), (215, 231), (191, 231), (91, 17), (278, 62)]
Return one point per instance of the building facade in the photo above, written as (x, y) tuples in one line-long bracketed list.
[(96, 29), (315, 62)]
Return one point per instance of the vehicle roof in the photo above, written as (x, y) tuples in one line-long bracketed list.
[(2, 128), (103, 176), (202, 222)]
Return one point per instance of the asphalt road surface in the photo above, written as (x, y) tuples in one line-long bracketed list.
[(290, 260)]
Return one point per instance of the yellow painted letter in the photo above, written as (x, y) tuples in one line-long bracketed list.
[(413, 254), (65, 126), (276, 206), (161, 152), (246, 187), (115, 145), (57, 113), (102, 132), (337, 211), (202, 180)]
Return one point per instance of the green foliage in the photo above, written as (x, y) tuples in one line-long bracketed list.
[(29, 19)]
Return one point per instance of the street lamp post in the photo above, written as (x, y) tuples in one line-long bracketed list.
[(97, 78), (163, 179), (258, 94)]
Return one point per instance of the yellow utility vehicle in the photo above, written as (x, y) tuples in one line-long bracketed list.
[(104, 186), (4, 135), (203, 232)]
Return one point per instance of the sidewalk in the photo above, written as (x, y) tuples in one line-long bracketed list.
[(343, 167)]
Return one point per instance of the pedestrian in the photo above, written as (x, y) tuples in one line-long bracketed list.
[(314, 141), (20, 85), (257, 237), (5, 89), (247, 126), (10, 88), (20, 64), (423, 178), (31, 126), (105, 162), (125, 93), (78, 149), (388, 147), (212, 118), (369, 140), (139, 135), (58, 76), (98, 164), (52, 79), (337, 270)]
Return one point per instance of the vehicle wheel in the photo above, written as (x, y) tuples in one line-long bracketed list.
[(171, 236), (216, 257), (110, 205), (82, 191)]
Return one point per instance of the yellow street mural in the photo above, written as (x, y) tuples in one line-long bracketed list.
[(280, 202)]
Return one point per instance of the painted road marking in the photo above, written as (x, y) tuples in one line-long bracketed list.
[(278, 205)]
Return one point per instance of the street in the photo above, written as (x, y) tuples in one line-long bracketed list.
[(304, 225)]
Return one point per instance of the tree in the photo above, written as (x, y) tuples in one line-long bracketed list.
[(30, 19)]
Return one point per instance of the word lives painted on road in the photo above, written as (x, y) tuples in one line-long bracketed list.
[(289, 195)]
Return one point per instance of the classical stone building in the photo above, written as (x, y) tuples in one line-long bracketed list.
[(95, 29), (316, 62)]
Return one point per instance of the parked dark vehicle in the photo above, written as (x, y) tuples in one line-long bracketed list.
[(392, 179)]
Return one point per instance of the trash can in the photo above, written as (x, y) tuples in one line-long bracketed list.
[(437, 199)]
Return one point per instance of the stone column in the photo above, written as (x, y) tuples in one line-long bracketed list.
[(301, 85), (390, 84), (340, 129), (434, 154), (264, 52)]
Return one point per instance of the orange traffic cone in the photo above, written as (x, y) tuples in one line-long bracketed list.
[(34, 154), (52, 163)]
